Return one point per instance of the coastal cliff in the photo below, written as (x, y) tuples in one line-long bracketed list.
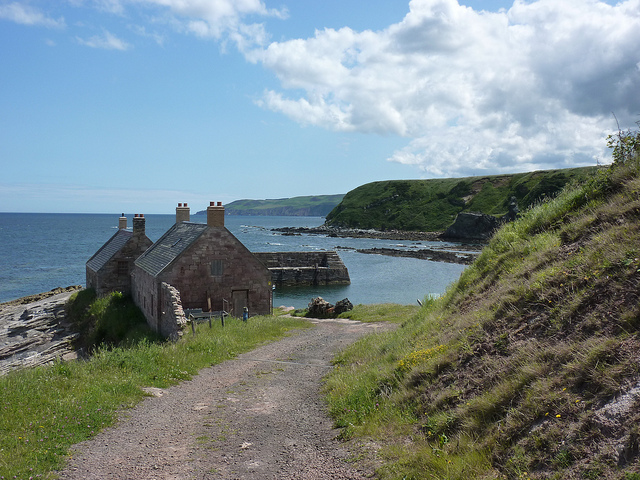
[(432, 205)]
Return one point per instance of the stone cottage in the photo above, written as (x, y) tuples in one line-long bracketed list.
[(209, 267), (109, 270)]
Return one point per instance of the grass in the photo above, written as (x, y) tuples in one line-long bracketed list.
[(388, 312), (46, 410), (504, 376)]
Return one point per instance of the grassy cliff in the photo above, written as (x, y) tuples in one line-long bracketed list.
[(309, 206), (528, 367), (432, 205)]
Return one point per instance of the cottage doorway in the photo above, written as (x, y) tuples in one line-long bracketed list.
[(239, 300)]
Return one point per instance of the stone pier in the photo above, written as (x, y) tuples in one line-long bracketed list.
[(305, 268)]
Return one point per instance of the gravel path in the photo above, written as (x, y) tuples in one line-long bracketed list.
[(260, 416)]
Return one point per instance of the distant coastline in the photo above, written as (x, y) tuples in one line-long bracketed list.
[(309, 206)]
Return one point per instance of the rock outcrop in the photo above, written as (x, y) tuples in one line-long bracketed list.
[(479, 226), (463, 258), (472, 226), (35, 333), (320, 308)]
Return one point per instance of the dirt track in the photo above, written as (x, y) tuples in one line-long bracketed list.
[(259, 416)]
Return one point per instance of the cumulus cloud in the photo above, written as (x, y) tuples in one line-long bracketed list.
[(524, 88), (106, 41), (27, 15)]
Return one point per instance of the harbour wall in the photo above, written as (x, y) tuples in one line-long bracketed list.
[(290, 269)]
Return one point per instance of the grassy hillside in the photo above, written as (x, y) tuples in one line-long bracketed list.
[(528, 367), (432, 205), (314, 206)]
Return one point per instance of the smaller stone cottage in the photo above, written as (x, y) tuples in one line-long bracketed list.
[(206, 265), (109, 270)]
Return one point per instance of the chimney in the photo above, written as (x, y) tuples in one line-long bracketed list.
[(182, 213), (138, 225), (122, 222), (215, 215)]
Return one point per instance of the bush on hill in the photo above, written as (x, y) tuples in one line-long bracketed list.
[(111, 320)]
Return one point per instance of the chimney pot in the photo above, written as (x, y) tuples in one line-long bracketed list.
[(215, 215), (182, 213), (138, 225)]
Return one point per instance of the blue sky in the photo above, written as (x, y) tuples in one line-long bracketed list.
[(136, 105)]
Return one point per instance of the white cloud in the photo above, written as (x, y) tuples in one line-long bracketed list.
[(27, 15), (529, 87), (106, 41), (212, 19), (218, 19), (142, 31)]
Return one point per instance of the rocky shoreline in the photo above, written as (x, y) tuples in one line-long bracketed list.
[(425, 254), (360, 233), (40, 296), (464, 255), (34, 331)]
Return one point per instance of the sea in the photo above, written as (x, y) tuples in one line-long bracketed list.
[(42, 251)]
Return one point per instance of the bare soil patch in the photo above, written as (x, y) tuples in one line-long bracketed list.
[(259, 416)]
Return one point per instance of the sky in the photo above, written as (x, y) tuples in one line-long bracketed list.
[(135, 105)]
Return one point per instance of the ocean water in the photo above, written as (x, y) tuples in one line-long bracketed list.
[(39, 252)]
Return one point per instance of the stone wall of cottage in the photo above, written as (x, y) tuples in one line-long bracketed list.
[(91, 278), (115, 275), (172, 319), (219, 273), (216, 273), (145, 293)]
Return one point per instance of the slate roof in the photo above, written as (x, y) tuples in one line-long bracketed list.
[(177, 239), (108, 250)]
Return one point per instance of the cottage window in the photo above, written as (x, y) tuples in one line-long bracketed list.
[(217, 268), (123, 267)]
